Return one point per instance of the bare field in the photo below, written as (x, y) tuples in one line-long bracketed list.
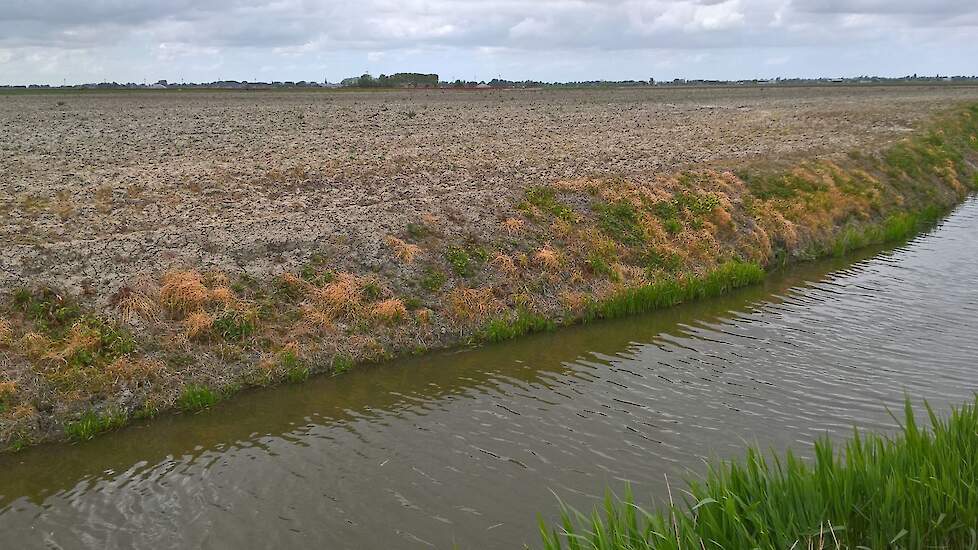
[(97, 189), (163, 250)]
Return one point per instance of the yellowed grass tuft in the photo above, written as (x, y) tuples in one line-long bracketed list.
[(574, 301), (35, 345), (224, 296), (505, 265), (183, 291), (548, 258), (197, 324), (80, 338), (315, 318), (134, 369), (133, 305), (389, 311), (629, 274), (405, 251), (342, 297), (7, 389), (423, 316), (6, 333), (561, 228), (471, 305), (513, 226)]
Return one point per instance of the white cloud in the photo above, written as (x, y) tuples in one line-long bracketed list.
[(126, 36)]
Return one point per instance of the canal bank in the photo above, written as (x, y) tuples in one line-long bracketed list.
[(571, 251), (463, 448)]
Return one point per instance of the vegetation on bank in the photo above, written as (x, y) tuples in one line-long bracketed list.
[(913, 490), (569, 252)]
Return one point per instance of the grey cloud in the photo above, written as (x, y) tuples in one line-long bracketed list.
[(246, 29)]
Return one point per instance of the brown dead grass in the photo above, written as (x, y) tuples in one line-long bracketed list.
[(131, 369), (315, 318), (342, 297), (224, 296), (574, 301), (405, 251), (197, 325), (80, 338), (183, 291), (547, 258), (6, 333), (7, 389), (505, 265), (471, 305), (389, 311), (513, 226), (133, 305), (34, 344)]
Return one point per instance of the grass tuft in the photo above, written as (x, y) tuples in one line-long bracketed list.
[(92, 423), (342, 363), (632, 301), (620, 220), (523, 323), (913, 490), (196, 397)]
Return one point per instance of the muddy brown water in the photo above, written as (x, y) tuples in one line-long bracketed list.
[(465, 449)]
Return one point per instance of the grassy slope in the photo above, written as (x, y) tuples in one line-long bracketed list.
[(570, 252), (914, 490)]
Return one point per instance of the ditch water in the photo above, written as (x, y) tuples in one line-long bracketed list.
[(463, 449)]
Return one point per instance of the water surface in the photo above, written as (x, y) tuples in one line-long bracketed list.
[(463, 449)]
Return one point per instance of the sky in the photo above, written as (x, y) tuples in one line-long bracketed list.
[(65, 41)]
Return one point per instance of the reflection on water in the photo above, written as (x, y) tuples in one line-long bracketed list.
[(463, 449)]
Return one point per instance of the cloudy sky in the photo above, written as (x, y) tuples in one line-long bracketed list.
[(73, 41)]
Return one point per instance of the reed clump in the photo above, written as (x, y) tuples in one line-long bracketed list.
[(915, 489)]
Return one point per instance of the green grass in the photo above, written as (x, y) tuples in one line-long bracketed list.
[(600, 264), (92, 423), (893, 228), (620, 221), (783, 186), (295, 368), (195, 398), (545, 199), (234, 325), (342, 363), (632, 301), (460, 261), (523, 323), (917, 489), (433, 280)]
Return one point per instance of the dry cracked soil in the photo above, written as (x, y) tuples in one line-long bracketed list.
[(97, 189)]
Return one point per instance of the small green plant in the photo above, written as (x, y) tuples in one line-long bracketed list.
[(599, 264), (342, 363), (433, 280), (295, 368), (417, 231), (234, 325), (667, 293), (658, 260), (697, 204), (92, 423), (545, 199), (523, 323), (371, 290), (196, 397), (620, 221), (52, 312), (765, 186), (460, 261)]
